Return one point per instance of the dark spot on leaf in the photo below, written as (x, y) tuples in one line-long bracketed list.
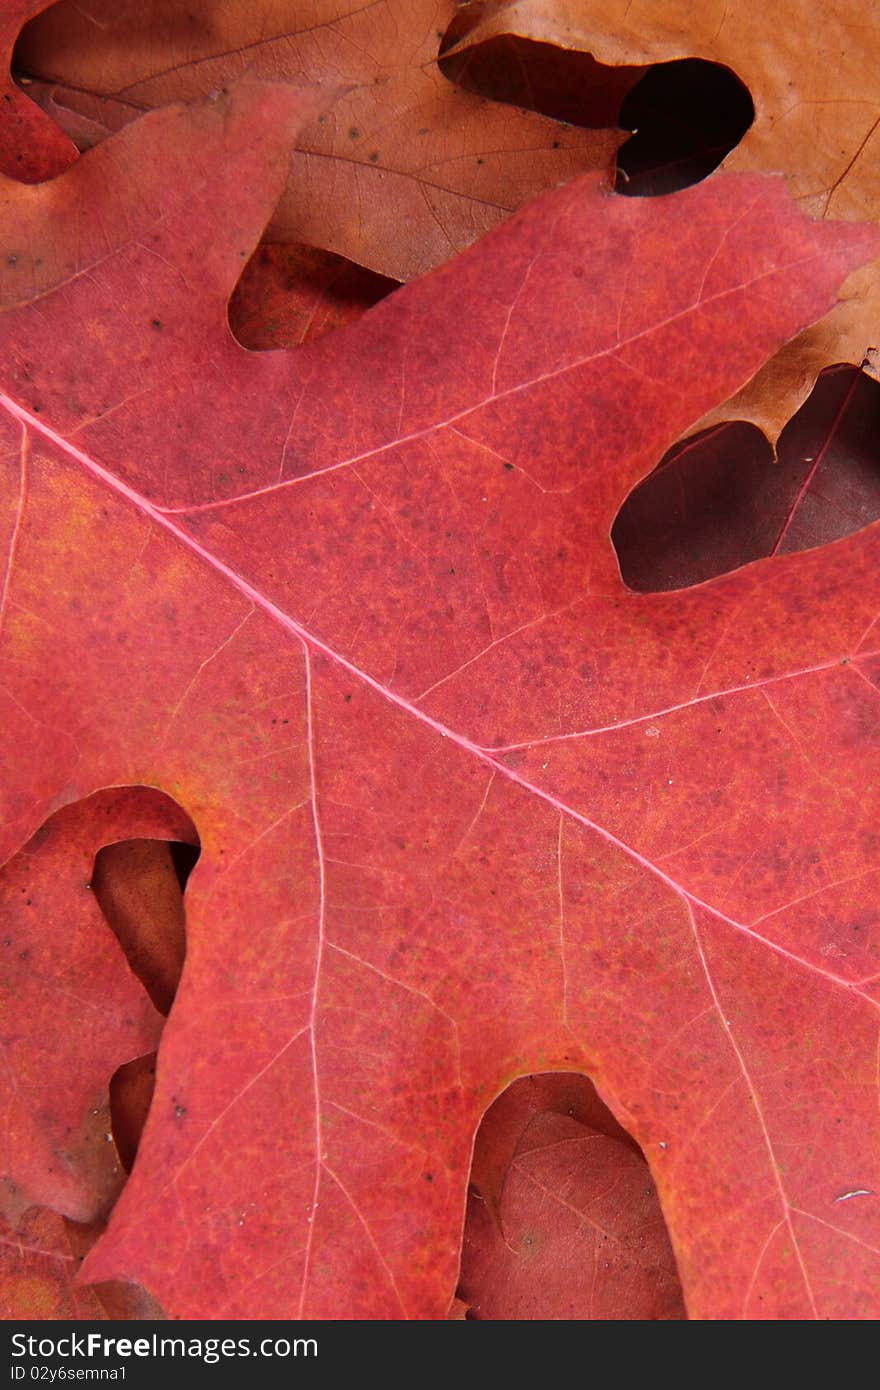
[(354, 133), (157, 323)]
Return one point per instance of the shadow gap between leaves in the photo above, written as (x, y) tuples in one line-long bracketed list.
[(719, 500), (685, 115), (288, 295), (139, 886), (559, 1193)]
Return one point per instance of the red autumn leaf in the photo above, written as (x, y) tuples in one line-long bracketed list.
[(136, 884), (468, 807), (70, 1005)]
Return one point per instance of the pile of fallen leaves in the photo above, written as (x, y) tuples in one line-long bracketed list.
[(493, 658)]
